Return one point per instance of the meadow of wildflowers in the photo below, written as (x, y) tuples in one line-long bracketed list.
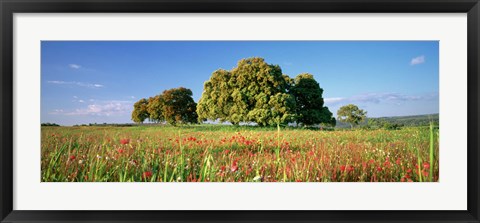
[(209, 153)]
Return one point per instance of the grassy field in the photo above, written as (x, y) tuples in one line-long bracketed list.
[(213, 153)]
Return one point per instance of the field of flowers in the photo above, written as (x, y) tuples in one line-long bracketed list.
[(213, 153)]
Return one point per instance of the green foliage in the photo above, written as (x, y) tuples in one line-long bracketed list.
[(351, 114), (173, 106), (254, 91), (309, 100), (217, 100), (415, 120), (375, 123), (178, 106), (140, 112), (282, 108), (155, 108), (258, 92)]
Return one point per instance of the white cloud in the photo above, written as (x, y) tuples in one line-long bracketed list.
[(101, 108), (80, 84), (417, 60), (75, 97), (56, 112), (74, 66), (81, 101), (333, 100), (379, 97), (132, 97)]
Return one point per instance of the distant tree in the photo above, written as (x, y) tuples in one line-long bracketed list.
[(49, 124), (351, 114), (140, 112), (310, 107), (178, 106), (174, 106)]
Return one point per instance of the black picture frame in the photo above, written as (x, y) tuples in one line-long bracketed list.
[(9, 7)]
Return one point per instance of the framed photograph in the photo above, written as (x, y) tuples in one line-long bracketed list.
[(237, 111)]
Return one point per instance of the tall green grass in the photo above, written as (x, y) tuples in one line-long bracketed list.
[(208, 153)]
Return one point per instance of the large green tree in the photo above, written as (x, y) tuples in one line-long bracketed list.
[(310, 107), (351, 114), (247, 93), (216, 100), (140, 112)]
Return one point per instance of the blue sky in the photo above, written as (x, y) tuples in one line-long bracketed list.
[(98, 81)]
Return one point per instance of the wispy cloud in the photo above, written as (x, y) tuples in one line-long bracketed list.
[(333, 100), (417, 60), (74, 66), (73, 83), (56, 112), (101, 108), (379, 97)]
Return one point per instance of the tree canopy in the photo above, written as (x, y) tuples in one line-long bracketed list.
[(254, 91), (140, 112), (310, 108), (216, 101), (258, 92), (351, 114), (179, 106), (173, 106)]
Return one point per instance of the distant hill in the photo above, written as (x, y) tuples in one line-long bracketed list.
[(413, 120)]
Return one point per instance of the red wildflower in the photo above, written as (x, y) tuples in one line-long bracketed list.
[(146, 175), (350, 168), (426, 165), (72, 157), (234, 167), (124, 141), (387, 164), (120, 150), (425, 173), (379, 168), (342, 168), (398, 161)]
